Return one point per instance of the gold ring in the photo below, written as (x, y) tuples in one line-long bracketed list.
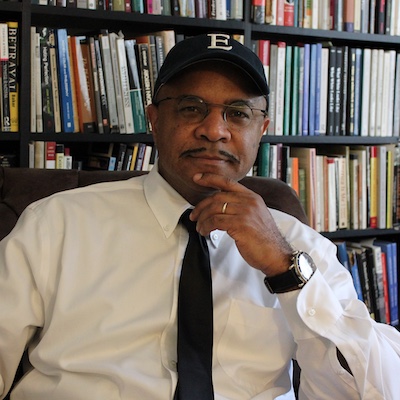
[(224, 208)]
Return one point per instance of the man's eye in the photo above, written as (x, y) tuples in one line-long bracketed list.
[(191, 109), (238, 113)]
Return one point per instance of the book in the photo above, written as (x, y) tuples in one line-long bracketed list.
[(109, 81), (331, 91), (50, 155), (139, 117), (390, 250), (306, 90), (64, 74), (117, 85), (39, 154), (13, 74), (365, 91), (258, 11), (362, 263), (321, 129), (353, 266), (375, 272), (104, 110), (46, 81), (125, 87), (263, 159), (96, 85), (373, 92), (280, 88), (338, 89), (5, 124), (272, 87), (54, 81), (84, 86), (142, 54), (382, 186), (287, 111), (373, 192), (307, 162), (33, 84), (295, 95)]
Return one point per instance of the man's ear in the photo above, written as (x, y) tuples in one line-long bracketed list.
[(265, 126), (152, 116)]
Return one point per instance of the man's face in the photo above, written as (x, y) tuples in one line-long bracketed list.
[(186, 147)]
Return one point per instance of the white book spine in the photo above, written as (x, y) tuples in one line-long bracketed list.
[(373, 89), (379, 92), (324, 91), (280, 88), (117, 86), (124, 82)]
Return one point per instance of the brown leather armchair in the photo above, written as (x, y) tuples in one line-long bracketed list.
[(21, 186)]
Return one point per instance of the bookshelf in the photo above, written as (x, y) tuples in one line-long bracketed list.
[(91, 22)]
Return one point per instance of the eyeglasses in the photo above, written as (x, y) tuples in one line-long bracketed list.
[(194, 110)]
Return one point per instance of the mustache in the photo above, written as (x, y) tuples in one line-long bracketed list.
[(223, 153)]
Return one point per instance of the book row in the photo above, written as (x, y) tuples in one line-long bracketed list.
[(372, 264), (93, 84), (373, 16), (321, 89), (101, 156), (9, 76), (213, 9), (340, 187)]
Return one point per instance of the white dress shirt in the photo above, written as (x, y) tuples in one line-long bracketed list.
[(89, 278)]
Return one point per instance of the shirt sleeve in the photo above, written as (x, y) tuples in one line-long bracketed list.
[(326, 316), (21, 307)]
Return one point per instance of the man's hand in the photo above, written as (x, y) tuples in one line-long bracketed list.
[(246, 219)]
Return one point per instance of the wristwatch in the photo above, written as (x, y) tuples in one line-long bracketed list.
[(298, 274)]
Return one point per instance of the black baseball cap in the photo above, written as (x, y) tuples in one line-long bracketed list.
[(211, 46)]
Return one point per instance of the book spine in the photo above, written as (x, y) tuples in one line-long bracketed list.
[(96, 85), (373, 217), (124, 82), (306, 89), (46, 84), (109, 81), (258, 11), (331, 91), (54, 81), (117, 86), (102, 88), (4, 73), (13, 75), (65, 81)]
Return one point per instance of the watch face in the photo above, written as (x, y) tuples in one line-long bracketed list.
[(306, 265)]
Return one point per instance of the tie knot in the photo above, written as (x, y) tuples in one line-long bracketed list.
[(189, 225)]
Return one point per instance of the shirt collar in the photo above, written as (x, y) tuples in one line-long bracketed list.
[(165, 202), (168, 205)]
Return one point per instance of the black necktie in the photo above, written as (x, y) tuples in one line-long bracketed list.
[(195, 319)]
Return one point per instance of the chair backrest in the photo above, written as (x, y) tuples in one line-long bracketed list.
[(22, 186)]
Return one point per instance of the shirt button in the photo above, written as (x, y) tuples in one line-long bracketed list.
[(167, 228), (311, 312), (215, 236), (172, 365)]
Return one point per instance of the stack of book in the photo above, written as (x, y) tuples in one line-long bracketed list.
[(322, 89), (340, 187), (372, 264), (213, 9), (382, 16), (97, 84)]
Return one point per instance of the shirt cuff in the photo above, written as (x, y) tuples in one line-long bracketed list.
[(312, 310)]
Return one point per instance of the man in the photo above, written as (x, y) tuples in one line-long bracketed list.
[(90, 277)]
